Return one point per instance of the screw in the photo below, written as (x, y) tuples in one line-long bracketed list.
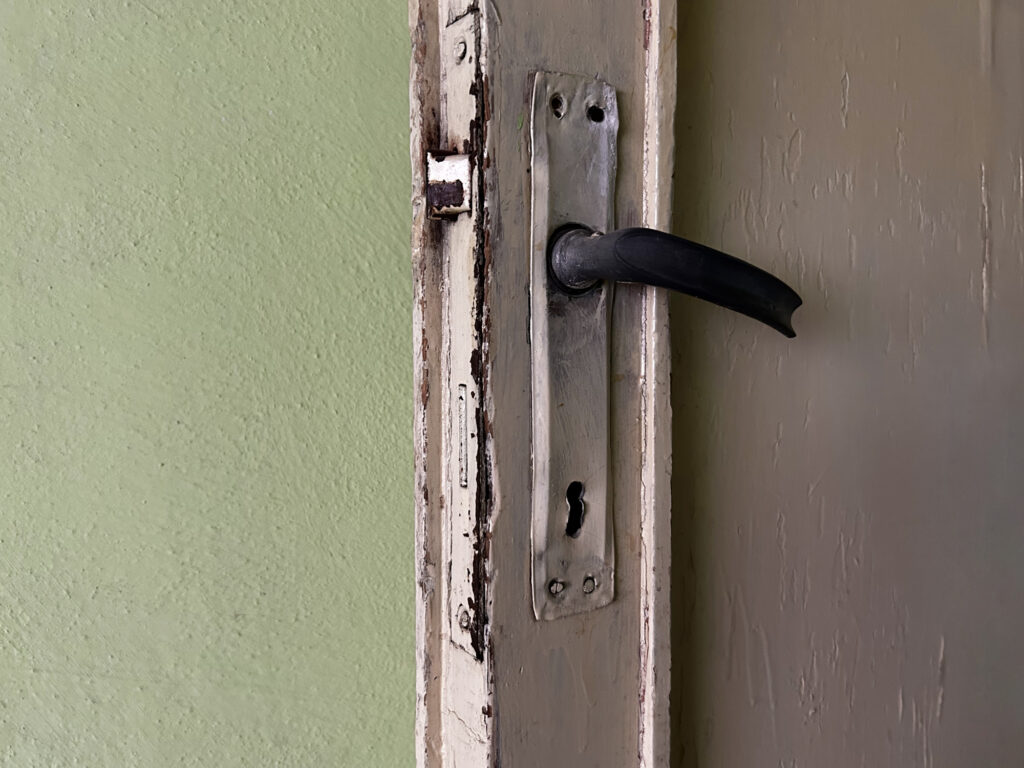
[(464, 619), (556, 586), (460, 50), (589, 585), (558, 105)]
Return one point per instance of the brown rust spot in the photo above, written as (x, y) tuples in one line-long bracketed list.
[(445, 194)]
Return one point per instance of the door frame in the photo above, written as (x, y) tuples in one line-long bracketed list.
[(468, 331)]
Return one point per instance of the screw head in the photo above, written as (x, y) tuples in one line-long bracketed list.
[(464, 619), (555, 586), (460, 50), (558, 105), (589, 585)]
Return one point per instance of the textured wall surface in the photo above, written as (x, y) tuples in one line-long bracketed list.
[(205, 497), (849, 545)]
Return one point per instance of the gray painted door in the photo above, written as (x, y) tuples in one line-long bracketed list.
[(848, 515)]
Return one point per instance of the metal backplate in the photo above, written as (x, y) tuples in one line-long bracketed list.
[(574, 125)]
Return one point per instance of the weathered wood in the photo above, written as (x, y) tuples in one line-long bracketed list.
[(656, 405), (424, 117), (495, 685)]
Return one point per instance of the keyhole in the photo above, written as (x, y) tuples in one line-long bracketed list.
[(574, 495)]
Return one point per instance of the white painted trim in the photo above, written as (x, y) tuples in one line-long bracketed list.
[(656, 419)]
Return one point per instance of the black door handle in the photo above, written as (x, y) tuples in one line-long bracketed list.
[(579, 257)]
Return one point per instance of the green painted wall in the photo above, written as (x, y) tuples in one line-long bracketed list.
[(205, 384)]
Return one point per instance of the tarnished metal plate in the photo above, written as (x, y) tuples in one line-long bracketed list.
[(574, 126), (449, 184)]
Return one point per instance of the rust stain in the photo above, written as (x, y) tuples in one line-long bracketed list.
[(444, 194)]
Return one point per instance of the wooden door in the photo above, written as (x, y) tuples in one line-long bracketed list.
[(848, 508), (497, 686)]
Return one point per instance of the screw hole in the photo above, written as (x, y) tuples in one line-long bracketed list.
[(595, 114), (558, 105), (574, 497)]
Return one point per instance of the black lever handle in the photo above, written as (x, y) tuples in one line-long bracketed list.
[(580, 257)]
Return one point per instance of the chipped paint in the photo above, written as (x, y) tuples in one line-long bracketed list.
[(512, 690), (424, 120), (454, 718)]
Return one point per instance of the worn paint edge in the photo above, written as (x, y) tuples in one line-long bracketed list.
[(464, 729), (656, 407), (481, 357), (486, 183), (424, 124)]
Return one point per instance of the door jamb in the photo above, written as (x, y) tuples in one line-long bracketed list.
[(426, 97)]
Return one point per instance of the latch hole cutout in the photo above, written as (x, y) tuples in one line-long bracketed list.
[(558, 105), (574, 497), (595, 114)]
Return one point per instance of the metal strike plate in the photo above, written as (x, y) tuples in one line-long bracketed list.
[(449, 184), (574, 125)]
